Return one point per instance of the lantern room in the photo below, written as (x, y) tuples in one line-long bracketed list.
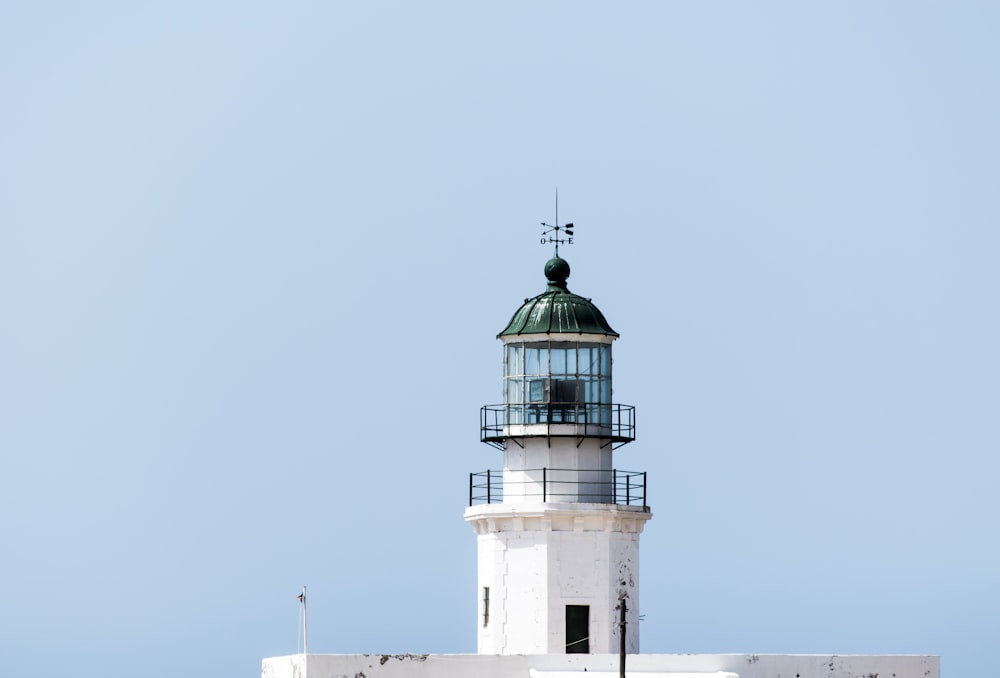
[(557, 371)]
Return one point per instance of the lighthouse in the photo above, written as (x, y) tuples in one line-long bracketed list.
[(558, 524)]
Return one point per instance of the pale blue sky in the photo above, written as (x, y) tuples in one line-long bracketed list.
[(253, 258)]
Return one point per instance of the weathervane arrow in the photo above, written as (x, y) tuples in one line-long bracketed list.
[(557, 234)]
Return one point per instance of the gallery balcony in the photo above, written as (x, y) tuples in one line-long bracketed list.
[(626, 488), (613, 423)]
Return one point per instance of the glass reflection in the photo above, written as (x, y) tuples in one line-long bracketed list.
[(558, 382)]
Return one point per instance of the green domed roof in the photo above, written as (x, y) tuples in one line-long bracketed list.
[(557, 310)]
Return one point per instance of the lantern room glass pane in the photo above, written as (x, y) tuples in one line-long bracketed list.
[(571, 360), (514, 394), (558, 361), (589, 360), (513, 360), (537, 391), (531, 361), (564, 391)]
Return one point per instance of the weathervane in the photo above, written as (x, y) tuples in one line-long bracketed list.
[(553, 233)]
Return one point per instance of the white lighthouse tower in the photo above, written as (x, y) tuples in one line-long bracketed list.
[(558, 530), (558, 526)]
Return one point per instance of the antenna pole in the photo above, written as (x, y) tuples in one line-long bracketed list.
[(557, 219), (305, 625)]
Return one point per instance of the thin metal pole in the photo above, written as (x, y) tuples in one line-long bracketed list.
[(545, 489), (305, 626), (489, 487), (621, 638)]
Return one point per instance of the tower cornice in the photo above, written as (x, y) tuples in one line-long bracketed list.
[(553, 517)]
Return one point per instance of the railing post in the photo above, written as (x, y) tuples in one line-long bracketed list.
[(545, 489), (614, 486), (470, 488), (489, 487), (628, 489), (643, 489)]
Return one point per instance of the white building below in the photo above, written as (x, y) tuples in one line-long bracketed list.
[(600, 666)]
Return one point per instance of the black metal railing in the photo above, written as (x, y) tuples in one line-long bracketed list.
[(562, 485), (612, 422)]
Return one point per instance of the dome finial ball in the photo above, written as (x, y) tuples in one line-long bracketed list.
[(557, 269)]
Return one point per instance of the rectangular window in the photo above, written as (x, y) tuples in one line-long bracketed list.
[(532, 362), (578, 629), (536, 391), (513, 362), (514, 391), (558, 361), (564, 391)]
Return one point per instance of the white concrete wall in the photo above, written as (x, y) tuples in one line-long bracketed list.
[(602, 666), (538, 558), (572, 471)]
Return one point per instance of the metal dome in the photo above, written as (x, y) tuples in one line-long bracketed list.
[(557, 310)]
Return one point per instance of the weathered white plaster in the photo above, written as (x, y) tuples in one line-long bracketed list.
[(604, 665), (570, 430), (572, 469), (538, 558), (535, 673)]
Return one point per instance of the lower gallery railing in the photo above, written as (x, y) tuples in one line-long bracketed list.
[(561, 485)]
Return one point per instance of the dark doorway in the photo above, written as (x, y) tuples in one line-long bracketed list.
[(578, 629)]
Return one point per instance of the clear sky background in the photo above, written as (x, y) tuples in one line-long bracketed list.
[(254, 256)]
